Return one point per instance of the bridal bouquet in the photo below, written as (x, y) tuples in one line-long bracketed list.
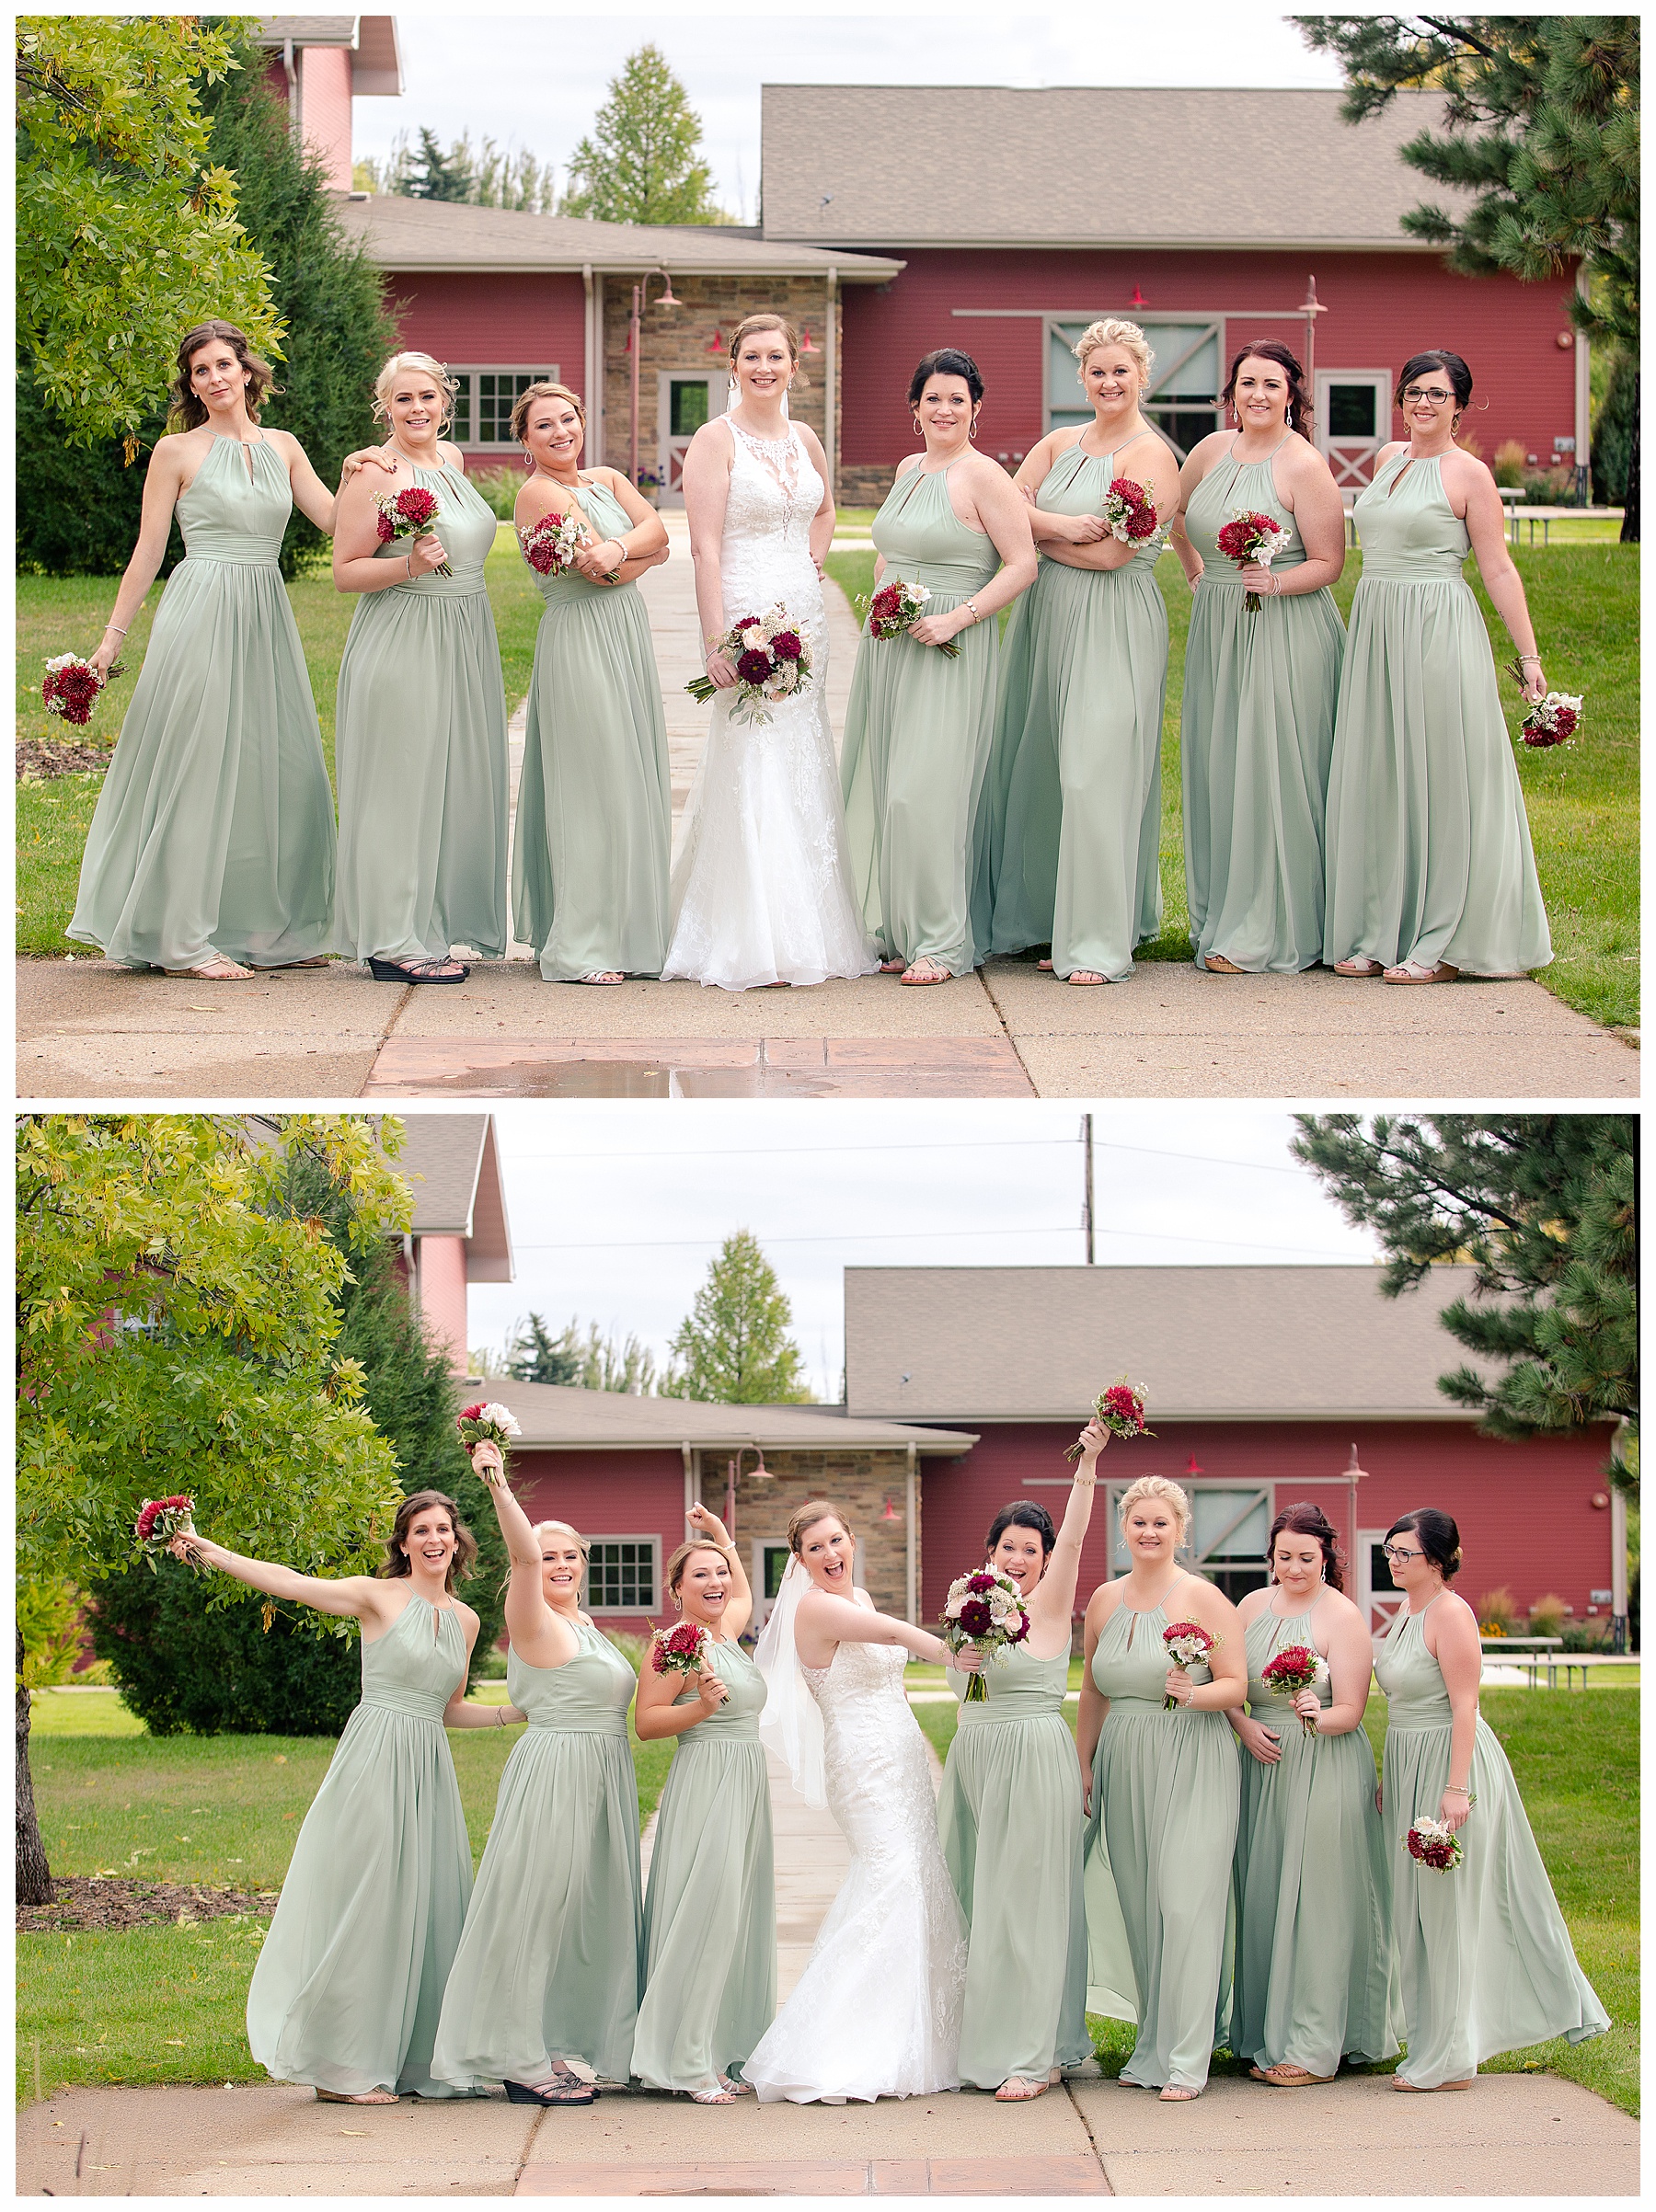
[(678, 1650), (488, 1422), (72, 687), (1189, 1644), (1249, 536), (1550, 721), (1130, 514), (1295, 1668), (1434, 1844), (897, 607), (550, 545), (159, 1520), (409, 514), (771, 664), (1121, 1410), (984, 1610)]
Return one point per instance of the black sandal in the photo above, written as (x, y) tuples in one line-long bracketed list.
[(570, 2091), (417, 971)]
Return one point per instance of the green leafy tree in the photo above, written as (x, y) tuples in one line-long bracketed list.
[(1543, 1207), (127, 229), (176, 1329), (733, 1347), (643, 161), (1540, 128)]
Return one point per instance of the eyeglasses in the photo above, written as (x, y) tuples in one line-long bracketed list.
[(1396, 1552), (1435, 393)]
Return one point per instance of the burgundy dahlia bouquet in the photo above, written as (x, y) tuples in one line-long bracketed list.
[(1130, 514), (1189, 1644), (488, 1422), (896, 608), (1434, 1844), (71, 686), (1550, 721), (1251, 536), (1121, 1410), (769, 655), (679, 1650), (159, 1520), (984, 1613), (1295, 1668), (409, 514), (550, 545)]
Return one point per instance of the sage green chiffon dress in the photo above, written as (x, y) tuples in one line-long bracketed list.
[(1071, 834), (1256, 735), (1314, 1980), (918, 731), (213, 833), (1428, 845), (347, 1988), (1158, 1858), (710, 1910), (549, 1965), (1486, 1960), (594, 814), (420, 744), (1010, 1818)]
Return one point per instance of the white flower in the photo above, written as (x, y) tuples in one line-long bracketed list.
[(500, 1416)]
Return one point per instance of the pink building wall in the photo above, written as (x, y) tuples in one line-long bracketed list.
[(516, 320), (607, 1493), (441, 1287), (324, 109)]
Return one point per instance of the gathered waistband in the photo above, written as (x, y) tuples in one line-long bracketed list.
[(228, 560), (608, 1724), (412, 1704), (440, 587), (1436, 569)]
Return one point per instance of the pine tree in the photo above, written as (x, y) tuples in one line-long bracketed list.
[(534, 1354), (643, 161), (734, 1347), (435, 174), (1543, 1207), (579, 1360)]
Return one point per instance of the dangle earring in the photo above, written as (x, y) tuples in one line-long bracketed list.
[(972, 429), (918, 431), (733, 395)]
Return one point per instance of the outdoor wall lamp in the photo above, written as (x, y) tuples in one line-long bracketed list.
[(634, 337)]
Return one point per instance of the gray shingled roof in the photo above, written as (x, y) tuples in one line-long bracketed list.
[(401, 234), (451, 1165), (920, 164), (596, 1420), (1008, 1343)]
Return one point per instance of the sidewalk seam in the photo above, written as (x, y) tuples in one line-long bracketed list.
[(392, 1019), (983, 975), (1075, 2107)]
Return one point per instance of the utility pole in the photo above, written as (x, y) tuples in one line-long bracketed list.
[(1087, 1201)]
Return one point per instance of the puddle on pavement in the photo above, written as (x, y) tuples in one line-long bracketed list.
[(640, 1079)]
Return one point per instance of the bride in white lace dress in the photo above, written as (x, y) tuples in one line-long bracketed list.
[(761, 889), (876, 2011)]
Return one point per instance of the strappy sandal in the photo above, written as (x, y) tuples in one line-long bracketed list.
[(319, 959), (710, 2096), (605, 975), (1017, 2089), (419, 972), (737, 2088), (893, 967), (371, 2096), (1283, 2076), (1415, 971), (1176, 2093), (1424, 2089), (1217, 964), (219, 969), (924, 970), (1086, 976), (1045, 967), (1359, 965), (565, 2090)]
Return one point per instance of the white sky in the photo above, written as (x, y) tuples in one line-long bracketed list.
[(616, 1207), (535, 78)]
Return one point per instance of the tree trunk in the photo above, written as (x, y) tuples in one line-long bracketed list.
[(1629, 529), (34, 1876)]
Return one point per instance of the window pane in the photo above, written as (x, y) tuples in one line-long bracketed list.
[(689, 409), (1185, 426), (621, 1575), (1352, 410), (1380, 1579), (1215, 1510), (497, 393), (776, 1557), (1197, 378), (460, 429)]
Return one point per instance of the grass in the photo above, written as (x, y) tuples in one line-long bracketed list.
[(1583, 799), (56, 614)]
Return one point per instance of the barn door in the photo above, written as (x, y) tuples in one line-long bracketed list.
[(1229, 1526), (1378, 1597), (1353, 422), (684, 403)]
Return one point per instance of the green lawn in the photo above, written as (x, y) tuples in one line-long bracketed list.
[(1583, 799), (58, 614)]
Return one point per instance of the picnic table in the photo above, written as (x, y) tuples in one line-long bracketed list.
[(1533, 1652)]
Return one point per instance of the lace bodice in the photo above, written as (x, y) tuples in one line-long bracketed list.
[(856, 1672), (775, 492)]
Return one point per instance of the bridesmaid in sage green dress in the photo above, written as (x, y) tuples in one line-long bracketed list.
[(1315, 1979), (1486, 1960), (211, 847), (547, 1968), (920, 724), (420, 734), (1071, 840), (346, 1991), (710, 1909), (1162, 1795), (594, 813), (1257, 725), (1430, 869), (1009, 1816)]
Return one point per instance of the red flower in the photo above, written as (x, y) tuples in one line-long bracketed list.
[(1123, 1402), (153, 1510), (472, 1413), (755, 667), (976, 1620), (1141, 522), (982, 1580), (886, 602), (679, 1652), (785, 645)]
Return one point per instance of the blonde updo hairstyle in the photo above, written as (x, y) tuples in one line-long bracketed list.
[(1113, 330), (1170, 1495), (803, 1519), (526, 400), (681, 1559), (769, 320), (384, 383)]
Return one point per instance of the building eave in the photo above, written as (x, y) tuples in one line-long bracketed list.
[(915, 241)]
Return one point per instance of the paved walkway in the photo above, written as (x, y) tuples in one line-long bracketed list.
[(86, 1028)]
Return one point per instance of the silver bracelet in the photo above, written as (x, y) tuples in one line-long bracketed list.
[(108, 626)]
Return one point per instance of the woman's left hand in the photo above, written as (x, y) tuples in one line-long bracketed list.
[(594, 566), (1453, 1809), (1260, 580), (1179, 1686), (1536, 686), (969, 1661), (705, 1523), (367, 456), (1306, 1704), (936, 629)]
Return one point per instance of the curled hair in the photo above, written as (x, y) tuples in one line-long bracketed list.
[(673, 1573), (526, 399), (564, 1529), (1440, 1539), (1308, 1520), (1274, 349), (466, 1544), (768, 320), (806, 1517), (184, 406), (1022, 1513), (1114, 330), (946, 361), (1157, 1486), (1448, 364), (384, 383)]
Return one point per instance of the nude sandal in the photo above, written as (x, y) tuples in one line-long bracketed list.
[(1359, 965), (1415, 971)]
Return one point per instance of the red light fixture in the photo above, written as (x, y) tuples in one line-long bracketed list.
[(807, 343), (890, 1512), (716, 344), (1191, 1467), (1138, 299)]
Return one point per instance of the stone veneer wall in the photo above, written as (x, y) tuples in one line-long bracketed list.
[(860, 1482)]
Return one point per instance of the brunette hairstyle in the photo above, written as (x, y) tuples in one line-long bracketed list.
[(769, 320), (1157, 1486), (946, 361), (1440, 1539), (674, 1573), (386, 383), (183, 404), (1308, 1520), (1274, 349), (806, 1517), (466, 1544), (526, 399), (1022, 1513), (1115, 331), (1448, 364)]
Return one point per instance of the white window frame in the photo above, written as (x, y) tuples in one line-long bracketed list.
[(469, 371), (651, 1543), (759, 1546), (1379, 1607), (1347, 456)]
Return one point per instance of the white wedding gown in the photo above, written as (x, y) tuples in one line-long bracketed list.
[(761, 887), (876, 2011)]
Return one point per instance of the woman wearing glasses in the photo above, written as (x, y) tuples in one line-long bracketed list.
[(1430, 865), (1485, 1957)]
